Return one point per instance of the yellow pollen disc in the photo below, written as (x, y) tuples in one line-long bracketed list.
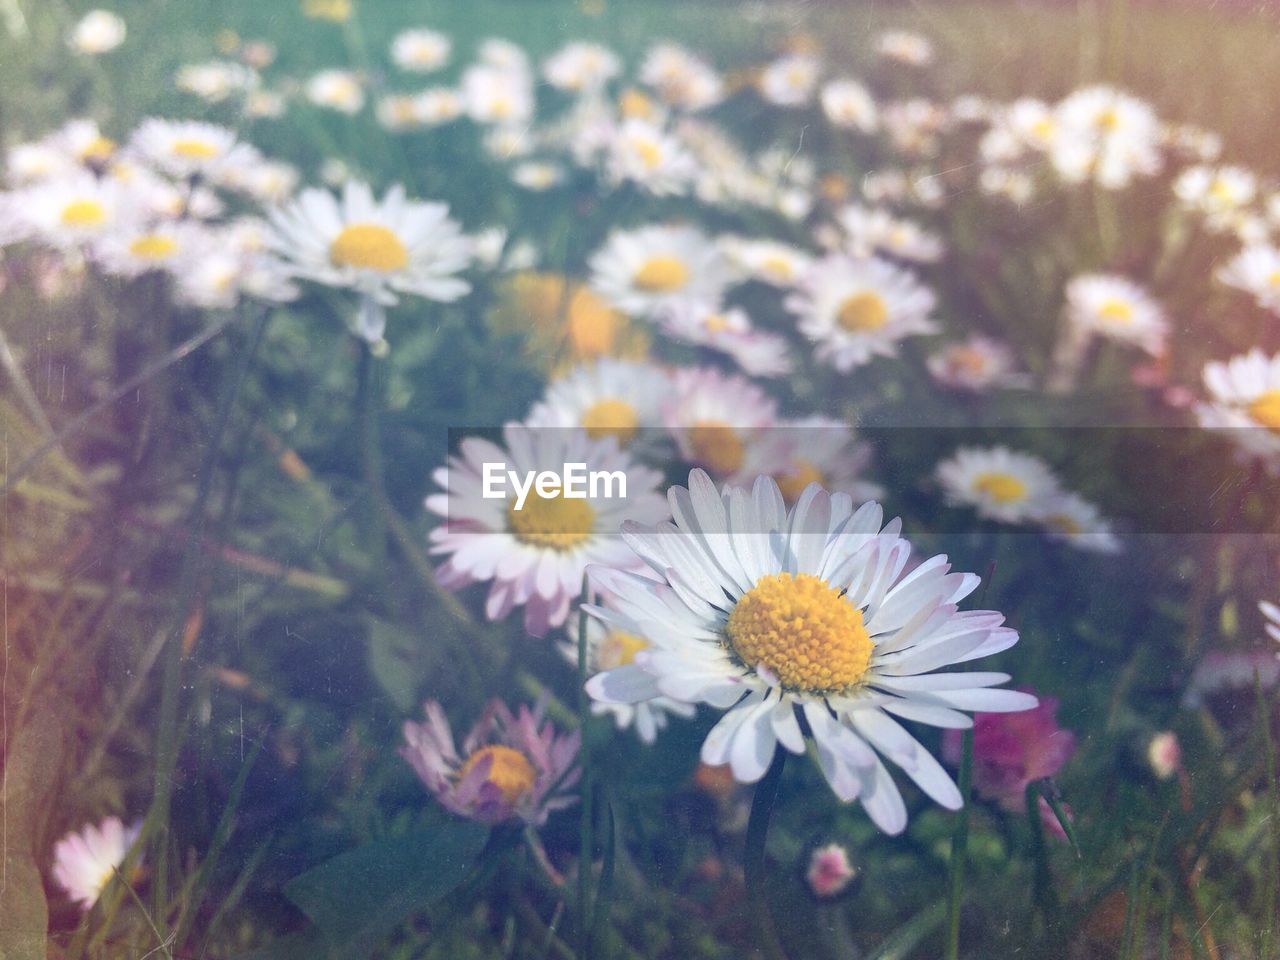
[(553, 523), (803, 631), (792, 483), (661, 274), (649, 152), (633, 103), (619, 649), (1109, 119), (99, 149), (716, 323), (610, 418), (1043, 128), (1000, 487), (1063, 524), (368, 246), (1266, 410), (501, 107), (84, 213), (969, 360), (777, 267), (716, 446), (509, 770), (153, 246), (1273, 279), (1117, 311), (863, 312), (194, 149)]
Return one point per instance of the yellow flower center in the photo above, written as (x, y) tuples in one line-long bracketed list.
[(1000, 487), (84, 213), (509, 770), (1109, 118), (593, 325), (661, 274), (610, 417), (863, 312), (1273, 279), (968, 360), (336, 10), (633, 103), (153, 246), (1266, 410), (368, 246), (194, 149), (777, 267), (793, 482), (716, 323), (1116, 311), (1064, 524), (802, 630), (716, 446), (1043, 128), (99, 149), (552, 523), (619, 649), (650, 153)]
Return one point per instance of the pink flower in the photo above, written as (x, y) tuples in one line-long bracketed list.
[(1010, 750), (830, 871), (511, 767), (85, 861)]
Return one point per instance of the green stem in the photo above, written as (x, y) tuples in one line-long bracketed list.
[(754, 859), (959, 847), (585, 825), (169, 734)]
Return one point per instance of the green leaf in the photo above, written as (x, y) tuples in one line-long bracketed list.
[(400, 662), (358, 898)]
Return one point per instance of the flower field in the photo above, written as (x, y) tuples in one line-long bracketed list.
[(578, 480)]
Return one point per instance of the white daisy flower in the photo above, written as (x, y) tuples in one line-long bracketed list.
[(790, 81), (537, 175), (607, 649), (496, 95), (724, 424), (1272, 613), (1255, 270), (84, 144), (607, 398), (1105, 135), (681, 79), (379, 248), (581, 67), (772, 615), (340, 90), (999, 483), (728, 331), (914, 125), (420, 51), (397, 111), (769, 261), (84, 861), (98, 31), (188, 148), (643, 153), (28, 163), (1245, 400), (136, 250), (876, 230), (1116, 308), (503, 55), (1217, 193), (645, 270), (976, 364), (234, 261), (534, 553), (858, 309), (849, 105), (825, 451), (905, 47), (71, 211), (265, 104), (216, 80), (439, 105), (1072, 519)]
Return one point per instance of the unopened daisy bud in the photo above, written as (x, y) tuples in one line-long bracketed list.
[(830, 871), (1164, 753)]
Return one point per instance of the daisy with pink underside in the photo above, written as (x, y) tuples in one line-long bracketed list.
[(85, 861), (533, 554), (512, 766), (800, 624)]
